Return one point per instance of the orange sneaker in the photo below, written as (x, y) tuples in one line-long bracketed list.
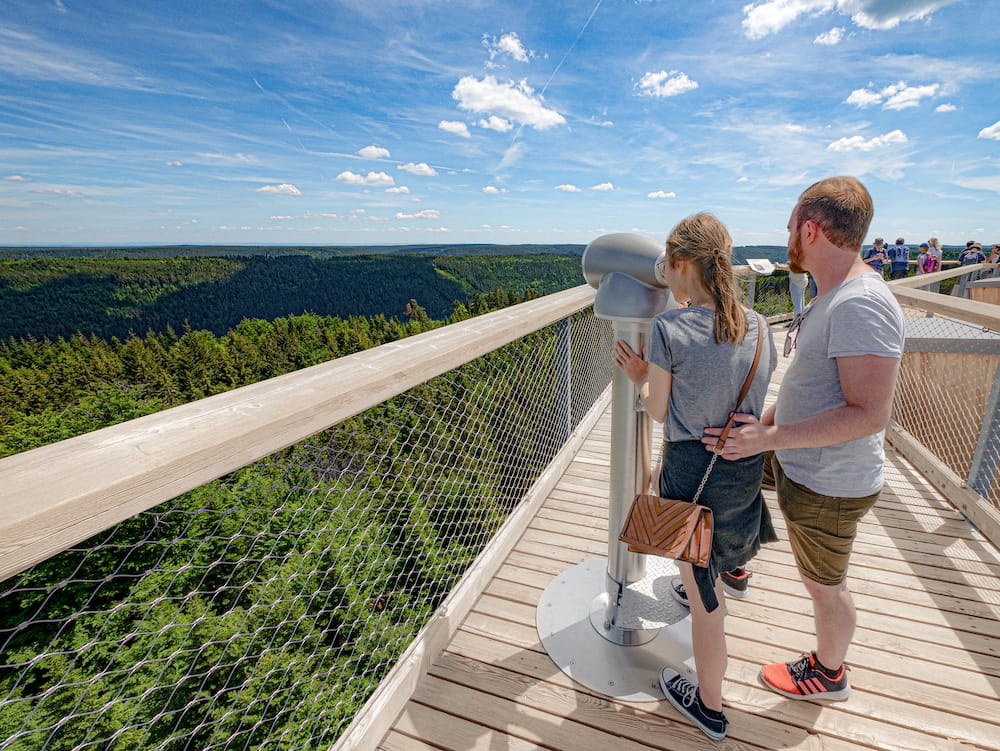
[(804, 679)]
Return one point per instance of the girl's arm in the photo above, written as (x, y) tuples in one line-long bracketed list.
[(652, 381)]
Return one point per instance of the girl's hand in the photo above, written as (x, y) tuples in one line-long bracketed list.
[(634, 366)]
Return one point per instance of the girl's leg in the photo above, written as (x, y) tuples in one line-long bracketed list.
[(708, 637)]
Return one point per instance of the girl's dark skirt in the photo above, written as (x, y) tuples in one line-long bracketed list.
[(742, 520)]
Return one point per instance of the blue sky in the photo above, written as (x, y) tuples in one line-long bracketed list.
[(439, 121)]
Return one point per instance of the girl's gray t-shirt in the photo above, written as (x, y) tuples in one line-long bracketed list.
[(706, 377), (860, 317)]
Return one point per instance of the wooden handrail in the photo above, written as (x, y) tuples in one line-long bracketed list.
[(54, 496)]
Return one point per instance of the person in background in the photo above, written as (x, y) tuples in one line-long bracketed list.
[(875, 256), (994, 254), (797, 283), (899, 260), (922, 258), (972, 254), (715, 335), (936, 251), (827, 426)]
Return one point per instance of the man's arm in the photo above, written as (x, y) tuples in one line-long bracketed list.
[(868, 383)]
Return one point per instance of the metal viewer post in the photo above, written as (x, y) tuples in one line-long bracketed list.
[(600, 620)]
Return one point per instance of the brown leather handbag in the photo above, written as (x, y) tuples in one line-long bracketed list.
[(681, 530)]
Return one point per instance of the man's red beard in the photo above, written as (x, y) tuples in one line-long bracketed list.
[(795, 253)]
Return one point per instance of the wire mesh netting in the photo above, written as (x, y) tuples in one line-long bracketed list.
[(947, 397), (263, 609)]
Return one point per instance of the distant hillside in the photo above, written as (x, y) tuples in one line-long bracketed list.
[(113, 297), (273, 251)]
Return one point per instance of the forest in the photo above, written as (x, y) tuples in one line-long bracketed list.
[(211, 569), (116, 297)]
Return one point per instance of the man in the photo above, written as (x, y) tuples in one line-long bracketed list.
[(972, 254), (827, 426), (899, 260), (875, 257)]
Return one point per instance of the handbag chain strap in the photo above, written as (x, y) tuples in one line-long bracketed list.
[(739, 400)]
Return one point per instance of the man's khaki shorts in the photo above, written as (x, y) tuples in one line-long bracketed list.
[(821, 528)]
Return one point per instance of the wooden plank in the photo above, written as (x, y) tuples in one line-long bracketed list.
[(892, 677), (984, 515), (561, 718), (743, 691), (454, 733)]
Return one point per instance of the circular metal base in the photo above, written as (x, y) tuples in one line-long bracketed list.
[(571, 621)]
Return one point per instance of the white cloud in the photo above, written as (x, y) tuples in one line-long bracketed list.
[(455, 127), (992, 132), (513, 155), (897, 96), (371, 180), (492, 190), (62, 192), (888, 14), (665, 84), (515, 102), (509, 44), (863, 98), (281, 218), (858, 143), (910, 96), (831, 37), (229, 158), (945, 108), (771, 16), (496, 123), (400, 190), (17, 179), (174, 163), (662, 194), (425, 214), (567, 188), (981, 183), (285, 189), (422, 169), (374, 152), (603, 187)]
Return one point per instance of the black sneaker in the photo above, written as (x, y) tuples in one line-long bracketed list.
[(736, 582), (677, 590), (684, 696)]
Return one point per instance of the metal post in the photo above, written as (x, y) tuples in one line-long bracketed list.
[(611, 623), (630, 439), (564, 382), (752, 289), (984, 459)]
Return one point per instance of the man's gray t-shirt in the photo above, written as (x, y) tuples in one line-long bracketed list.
[(860, 317), (706, 377)]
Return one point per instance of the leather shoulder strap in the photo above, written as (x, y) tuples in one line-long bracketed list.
[(746, 384)]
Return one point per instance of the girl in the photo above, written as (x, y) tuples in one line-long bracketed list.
[(699, 356)]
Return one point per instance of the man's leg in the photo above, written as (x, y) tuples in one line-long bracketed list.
[(836, 619), (821, 531)]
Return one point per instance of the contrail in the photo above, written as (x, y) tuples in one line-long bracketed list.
[(572, 46), (517, 133)]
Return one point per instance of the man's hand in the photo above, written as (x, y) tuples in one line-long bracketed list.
[(747, 437)]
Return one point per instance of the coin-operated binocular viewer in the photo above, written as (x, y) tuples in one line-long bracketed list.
[(612, 624)]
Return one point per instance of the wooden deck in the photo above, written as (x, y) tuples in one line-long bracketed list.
[(925, 662)]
